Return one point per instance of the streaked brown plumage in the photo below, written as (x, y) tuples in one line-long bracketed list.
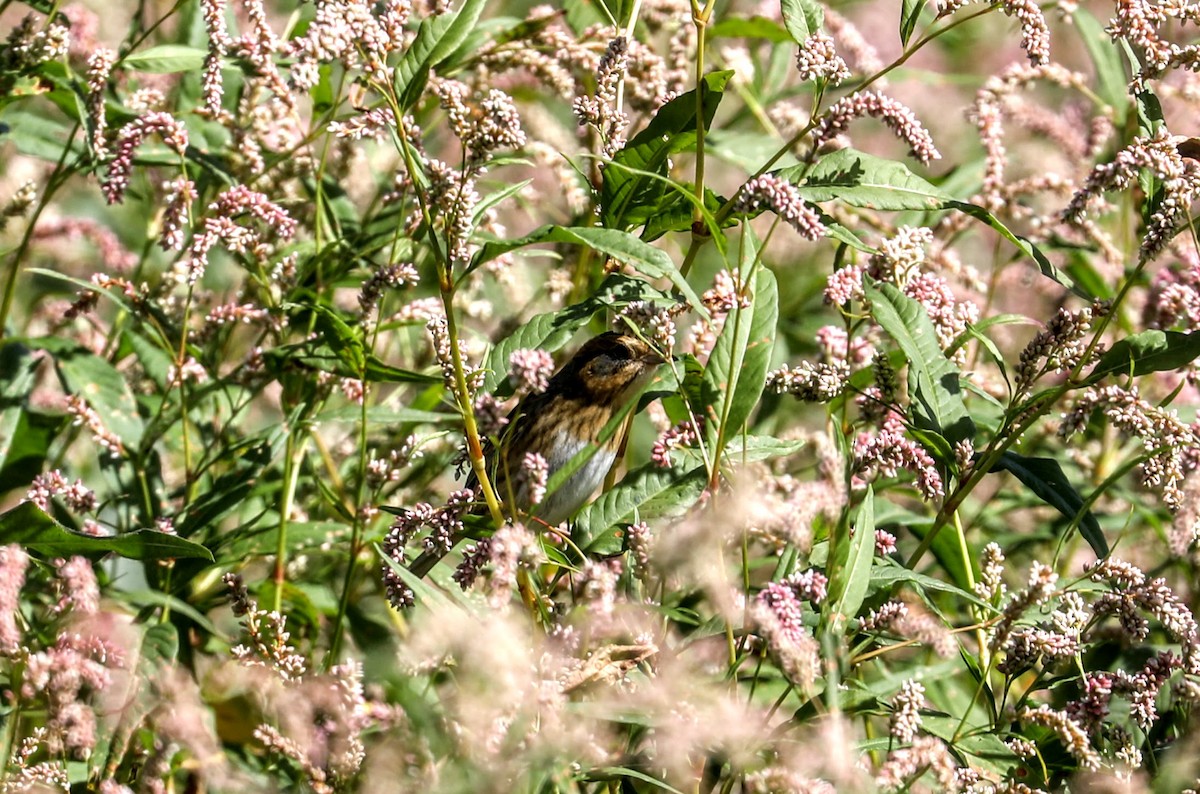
[(595, 384)]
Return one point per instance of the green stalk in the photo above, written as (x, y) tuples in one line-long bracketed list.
[(291, 476), (462, 394), (1028, 415), (57, 178)]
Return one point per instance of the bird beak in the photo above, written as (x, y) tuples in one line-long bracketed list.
[(653, 359)]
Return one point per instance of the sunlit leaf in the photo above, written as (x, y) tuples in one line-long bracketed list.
[(935, 383), (165, 59), (864, 180)]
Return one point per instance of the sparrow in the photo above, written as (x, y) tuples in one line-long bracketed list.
[(582, 396)]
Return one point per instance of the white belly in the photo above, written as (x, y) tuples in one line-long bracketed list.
[(558, 506)]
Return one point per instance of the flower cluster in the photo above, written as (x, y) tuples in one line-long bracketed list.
[(899, 119), (445, 525), (100, 66), (529, 370), (85, 415), (781, 197), (818, 60), (1060, 346), (906, 711), (1069, 732), (1133, 593), (166, 126), (267, 633), (78, 497), (779, 618), (220, 227), (820, 382), (679, 436), (658, 324), (601, 112), (1174, 299), (889, 450), (1172, 446), (1159, 154), (905, 764)]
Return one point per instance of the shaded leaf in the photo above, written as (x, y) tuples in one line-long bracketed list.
[(25, 435), (1046, 479), (1146, 352), (673, 129), (27, 525)]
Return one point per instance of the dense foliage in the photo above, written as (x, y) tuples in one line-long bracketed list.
[(912, 503)]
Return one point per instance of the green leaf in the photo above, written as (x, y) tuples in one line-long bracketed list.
[(746, 150), (1146, 352), (802, 18), (160, 646), (753, 28), (617, 773), (1045, 477), (1024, 246), (165, 59), (552, 330), (935, 383), (740, 359), (341, 338), (1150, 114), (437, 38), (988, 751), (229, 491), (28, 445), (864, 180), (888, 573), (27, 525), (647, 493), (25, 435), (674, 213), (910, 14), (1106, 59), (39, 135), (621, 246), (97, 381), (850, 575), (378, 372), (672, 130), (750, 449)]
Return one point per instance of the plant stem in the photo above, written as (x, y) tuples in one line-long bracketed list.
[(291, 476)]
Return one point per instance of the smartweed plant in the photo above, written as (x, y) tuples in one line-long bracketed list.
[(894, 453)]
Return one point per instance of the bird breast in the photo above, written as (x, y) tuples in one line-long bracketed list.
[(558, 506)]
